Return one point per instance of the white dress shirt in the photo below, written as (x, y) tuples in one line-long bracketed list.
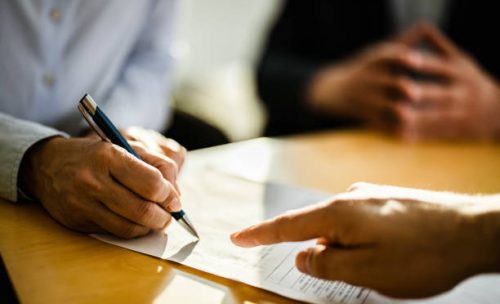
[(54, 51)]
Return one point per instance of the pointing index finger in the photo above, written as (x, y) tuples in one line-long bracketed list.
[(298, 225)]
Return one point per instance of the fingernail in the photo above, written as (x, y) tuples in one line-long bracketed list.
[(168, 220), (234, 237), (238, 240), (417, 58), (174, 205), (301, 261), (415, 92)]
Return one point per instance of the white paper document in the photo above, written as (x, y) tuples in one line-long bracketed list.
[(219, 204)]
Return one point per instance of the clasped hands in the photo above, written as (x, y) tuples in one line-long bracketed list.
[(455, 98)]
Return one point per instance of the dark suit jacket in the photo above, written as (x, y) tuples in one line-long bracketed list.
[(311, 34)]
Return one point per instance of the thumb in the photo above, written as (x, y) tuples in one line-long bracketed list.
[(411, 37), (430, 34), (334, 264), (325, 262)]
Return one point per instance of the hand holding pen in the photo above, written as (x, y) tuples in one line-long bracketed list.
[(92, 186), (101, 124)]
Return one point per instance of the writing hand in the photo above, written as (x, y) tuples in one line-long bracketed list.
[(93, 186)]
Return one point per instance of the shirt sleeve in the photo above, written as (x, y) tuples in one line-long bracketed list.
[(145, 80), (16, 137)]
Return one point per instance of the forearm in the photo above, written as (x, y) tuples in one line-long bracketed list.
[(16, 137)]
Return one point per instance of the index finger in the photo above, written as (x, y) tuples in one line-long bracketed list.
[(171, 148), (138, 176), (435, 65), (168, 168), (394, 53), (157, 142), (299, 225)]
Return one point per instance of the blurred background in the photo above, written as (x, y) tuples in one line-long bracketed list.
[(216, 46)]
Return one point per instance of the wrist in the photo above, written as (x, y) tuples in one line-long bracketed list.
[(318, 94), (33, 164), (329, 92)]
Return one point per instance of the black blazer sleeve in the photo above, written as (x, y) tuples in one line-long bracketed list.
[(283, 75), (307, 36)]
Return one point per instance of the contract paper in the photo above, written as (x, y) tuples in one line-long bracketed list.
[(219, 204)]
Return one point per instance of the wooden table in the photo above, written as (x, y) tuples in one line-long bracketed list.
[(50, 264)]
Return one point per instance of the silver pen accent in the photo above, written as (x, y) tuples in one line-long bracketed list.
[(188, 225)]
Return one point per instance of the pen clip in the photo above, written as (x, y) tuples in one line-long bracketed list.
[(91, 122)]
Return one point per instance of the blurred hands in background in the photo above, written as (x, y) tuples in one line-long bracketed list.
[(455, 98)]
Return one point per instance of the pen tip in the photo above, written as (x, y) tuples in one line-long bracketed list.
[(186, 223), (194, 232)]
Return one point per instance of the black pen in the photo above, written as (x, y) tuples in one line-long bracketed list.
[(101, 124)]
